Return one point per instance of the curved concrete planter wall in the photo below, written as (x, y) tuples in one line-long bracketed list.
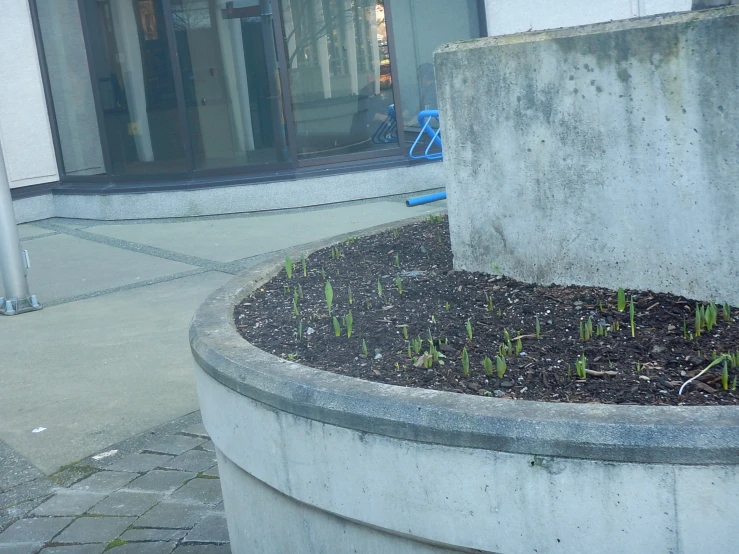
[(312, 462)]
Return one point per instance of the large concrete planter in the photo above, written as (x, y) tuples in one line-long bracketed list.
[(312, 462)]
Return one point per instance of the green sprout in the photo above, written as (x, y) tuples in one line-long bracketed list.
[(304, 264), (468, 328), (329, 292), (733, 383), (351, 298), (616, 326), (699, 318), (487, 364), (621, 295), (323, 274), (364, 348), (489, 302), (465, 362), (337, 327), (506, 336), (410, 354), (300, 330), (398, 284), (631, 317), (288, 267), (519, 347), (500, 366), (727, 312), (395, 233), (295, 303), (379, 288), (417, 344), (397, 261), (711, 316), (581, 367), (638, 367), (586, 329), (349, 323), (725, 376), (500, 312), (405, 331), (446, 306), (537, 328)]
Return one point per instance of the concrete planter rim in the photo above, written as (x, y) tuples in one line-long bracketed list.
[(639, 434)]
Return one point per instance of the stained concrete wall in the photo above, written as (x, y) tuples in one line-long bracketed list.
[(25, 133), (516, 16), (602, 155)]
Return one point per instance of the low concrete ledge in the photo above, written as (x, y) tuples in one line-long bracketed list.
[(418, 469)]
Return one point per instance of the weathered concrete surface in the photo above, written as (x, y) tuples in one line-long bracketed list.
[(379, 468), (599, 155)]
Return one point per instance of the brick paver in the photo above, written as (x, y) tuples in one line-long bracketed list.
[(161, 498)]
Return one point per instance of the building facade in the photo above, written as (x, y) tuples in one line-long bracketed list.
[(113, 109)]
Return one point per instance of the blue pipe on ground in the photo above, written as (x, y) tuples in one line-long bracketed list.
[(425, 199)]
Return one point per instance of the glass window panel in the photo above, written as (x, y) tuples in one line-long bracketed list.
[(232, 89), (71, 87), (340, 80), (420, 28), (136, 86)]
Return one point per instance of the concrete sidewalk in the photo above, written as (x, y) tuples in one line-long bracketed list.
[(108, 357)]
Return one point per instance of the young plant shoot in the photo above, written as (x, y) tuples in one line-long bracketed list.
[(487, 365), (399, 284), (465, 362), (337, 327), (304, 263), (631, 317), (621, 300), (468, 328), (581, 367), (288, 267), (329, 293), (538, 328), (500, 366), (349, 323), (364, 348), (379, 288)]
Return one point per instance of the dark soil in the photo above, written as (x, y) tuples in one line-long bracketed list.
[(436, 301)]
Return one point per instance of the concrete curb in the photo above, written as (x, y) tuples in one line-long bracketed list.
[(671, 435)]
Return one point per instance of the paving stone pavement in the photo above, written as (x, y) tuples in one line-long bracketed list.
[(157, 493)]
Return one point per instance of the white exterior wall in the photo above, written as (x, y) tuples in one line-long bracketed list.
[(25, 133), (516, 16)]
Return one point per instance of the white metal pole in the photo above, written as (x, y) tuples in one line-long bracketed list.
[(12, 265)]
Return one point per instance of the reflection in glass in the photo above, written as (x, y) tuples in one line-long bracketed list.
[(339, 68), (231, 83), (71, 87), (136, 87), (420, 28)]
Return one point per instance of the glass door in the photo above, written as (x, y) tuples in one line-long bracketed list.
[(135, 86), (341, 85), (229, 69)]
